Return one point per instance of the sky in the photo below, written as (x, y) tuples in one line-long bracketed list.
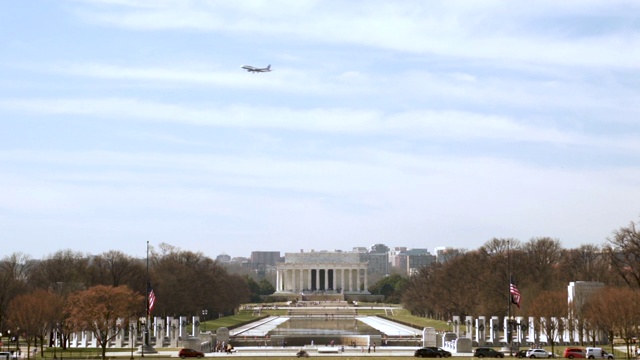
[(409, 123)]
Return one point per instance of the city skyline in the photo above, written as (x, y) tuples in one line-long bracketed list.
[(414, 122)]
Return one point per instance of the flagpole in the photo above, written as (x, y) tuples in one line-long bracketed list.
[(509, 325), (146, 346), (146, 337)]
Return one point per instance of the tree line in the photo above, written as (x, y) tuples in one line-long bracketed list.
[(39, 295), (477, 283)]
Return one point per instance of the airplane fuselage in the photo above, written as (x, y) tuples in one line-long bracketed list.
[(250, 68)]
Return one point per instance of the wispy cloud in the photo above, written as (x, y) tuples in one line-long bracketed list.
[(480, 31), (439, 124)]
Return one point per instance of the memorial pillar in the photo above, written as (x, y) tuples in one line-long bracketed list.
[(119, 341), (456, 325), (326, 278), (494, 327), (309, 278), (358, 280), (520, 329), (351, 282), (532, 336), (469, 327), (317, 279), (480, 328), (366, 282)]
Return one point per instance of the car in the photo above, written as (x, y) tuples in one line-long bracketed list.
[(432, 351), (487, 352), (595, 353), (521, 354), (186, 352), (577, 353), (539, 354)]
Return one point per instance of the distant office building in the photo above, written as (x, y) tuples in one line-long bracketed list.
[(397, 257), (261, 259), (407, 261), (378, 264), (379, 249), (223, 258), (580, 291), (417, 261), (360, 249), (444, 254)]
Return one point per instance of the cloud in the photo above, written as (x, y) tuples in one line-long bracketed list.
[(443, 124), (486, 30)]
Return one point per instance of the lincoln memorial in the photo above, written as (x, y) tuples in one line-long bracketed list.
[(327, 272)]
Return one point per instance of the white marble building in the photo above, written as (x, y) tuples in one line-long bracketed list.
[(329, 272)]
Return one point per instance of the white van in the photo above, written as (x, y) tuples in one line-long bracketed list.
[(598, 353), (5, 355)]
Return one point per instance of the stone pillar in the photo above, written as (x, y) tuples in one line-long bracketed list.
[(183, 326), (480, 330), (132, 334), (84, 338), (195, 326), (119, 341), (468, 330), (494, 327), (542, 335), (505, 326), (309, 278), (301, 284), (456, 325), (358, 280), (159, 327), (531, 329), (366, 281), (429, 336), (175, 334), (520, 327), (352, 279), (74, 340), (93, 342), (317, 279)]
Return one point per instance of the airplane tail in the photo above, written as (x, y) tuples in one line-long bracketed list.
[(269, 67)]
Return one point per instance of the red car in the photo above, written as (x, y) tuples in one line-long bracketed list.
[(577, 353), (185, 353)]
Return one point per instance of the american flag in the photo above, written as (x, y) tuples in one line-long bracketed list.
[(515, 294), (151, 299)]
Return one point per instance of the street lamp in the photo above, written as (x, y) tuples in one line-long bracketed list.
[(204, 319)]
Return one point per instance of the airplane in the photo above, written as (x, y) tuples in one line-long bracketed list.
[(250, 68)]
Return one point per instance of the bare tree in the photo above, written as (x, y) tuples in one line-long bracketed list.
[(116, 268), (614, 311), (34, 313), (543, 256), (13, 281), (63, 272), (624, 254), (548, 308), (98, 309)]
